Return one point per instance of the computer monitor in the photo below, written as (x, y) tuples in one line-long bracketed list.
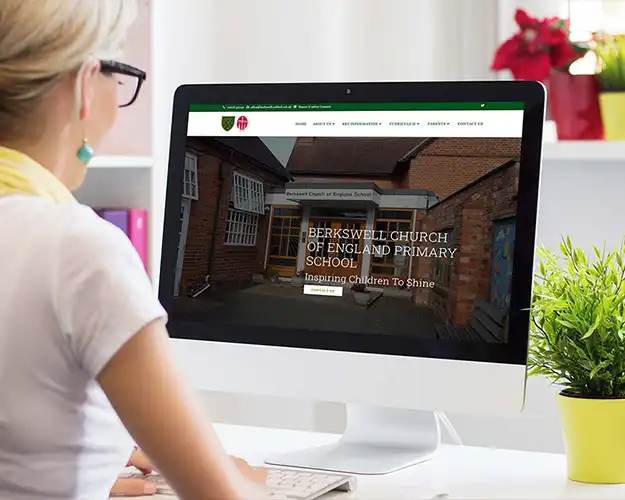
[(367, 243)]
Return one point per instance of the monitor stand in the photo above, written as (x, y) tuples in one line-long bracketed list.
[(376, 441)]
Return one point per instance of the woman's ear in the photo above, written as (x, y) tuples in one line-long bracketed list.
[(86, 88)]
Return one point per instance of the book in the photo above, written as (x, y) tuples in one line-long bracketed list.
[(118, 218), (138, 232), (134, 224)]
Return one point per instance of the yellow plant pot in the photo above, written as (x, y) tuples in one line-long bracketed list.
[(612, 106), (594, 438)]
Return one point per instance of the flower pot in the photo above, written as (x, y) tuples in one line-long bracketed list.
[(362, 298), (297, 281), (258, 278), (574, 104), (594, 438), (613, 115)]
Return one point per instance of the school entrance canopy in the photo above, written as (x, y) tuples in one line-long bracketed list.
[(343, 194)]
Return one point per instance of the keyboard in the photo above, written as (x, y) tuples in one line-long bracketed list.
[(285, 484)]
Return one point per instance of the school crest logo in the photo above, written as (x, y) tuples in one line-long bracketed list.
[(227, 122), (242, 123)]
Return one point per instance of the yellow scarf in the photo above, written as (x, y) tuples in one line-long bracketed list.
[(20, 174)]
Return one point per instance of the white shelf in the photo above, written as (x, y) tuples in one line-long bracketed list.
[(121, 161), (590, 151), (129, 187)]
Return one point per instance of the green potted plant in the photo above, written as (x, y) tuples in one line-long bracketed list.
[(298, 280), (272, 274), (578, 342), (258, 278), (610, 52)]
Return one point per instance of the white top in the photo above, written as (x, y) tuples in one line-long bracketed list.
[(464, 473), (72, 291)]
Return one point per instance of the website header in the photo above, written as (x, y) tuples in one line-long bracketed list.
[(360, 106), (357, 124)]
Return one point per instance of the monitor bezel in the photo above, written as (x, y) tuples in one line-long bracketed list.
[(532, 94)]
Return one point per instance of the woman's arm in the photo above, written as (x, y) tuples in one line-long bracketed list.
[(165, 419), (114, 326)]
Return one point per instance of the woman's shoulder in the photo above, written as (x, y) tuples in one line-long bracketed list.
[(80, 219), (72, 229), (48, 213), (63, 239), (82, 229), (89, 246)]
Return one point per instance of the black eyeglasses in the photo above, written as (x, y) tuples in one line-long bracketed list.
[(129, 79)]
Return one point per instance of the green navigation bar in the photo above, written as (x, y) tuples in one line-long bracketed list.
[(355, 106)]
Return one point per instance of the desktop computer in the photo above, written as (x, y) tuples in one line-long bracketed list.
[(366, 243)]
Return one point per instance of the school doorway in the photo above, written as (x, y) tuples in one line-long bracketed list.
[(284, 240), (335, 247), (502, 253)]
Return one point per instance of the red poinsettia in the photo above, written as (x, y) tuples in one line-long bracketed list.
[(539, 46)]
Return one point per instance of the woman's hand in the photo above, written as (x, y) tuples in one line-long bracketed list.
[(132, 487), (135, 486), (256, 479), (256, 475), (138, 460)]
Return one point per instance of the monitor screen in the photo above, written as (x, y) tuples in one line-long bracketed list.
[(350, 218)]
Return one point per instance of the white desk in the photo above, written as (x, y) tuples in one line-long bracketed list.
[(462, 472)]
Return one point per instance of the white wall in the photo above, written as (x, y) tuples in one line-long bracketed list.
[(316, 40)]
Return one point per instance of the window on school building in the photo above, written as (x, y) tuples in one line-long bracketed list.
[(248, 194), (190, 183), (242, 228), (247, 203), (441, 268), (388, 221), (284, 237)]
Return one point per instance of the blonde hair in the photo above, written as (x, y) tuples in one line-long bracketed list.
[(43, 41)]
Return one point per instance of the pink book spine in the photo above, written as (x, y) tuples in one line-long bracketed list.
[(138, 232)]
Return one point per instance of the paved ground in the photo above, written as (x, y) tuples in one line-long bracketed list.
[(284, 306)]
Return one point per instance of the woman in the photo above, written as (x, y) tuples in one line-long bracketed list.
[(83, 343)]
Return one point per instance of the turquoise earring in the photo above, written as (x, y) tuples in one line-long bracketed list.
[(85, 152)]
